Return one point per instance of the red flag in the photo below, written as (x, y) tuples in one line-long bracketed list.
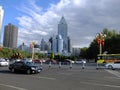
[(98, 41), (31, 46), (0, 48), (103, 42)]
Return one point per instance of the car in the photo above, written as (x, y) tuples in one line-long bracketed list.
[(50, 61), (38, 60), (66, 62), (3, 62), (80, 61), (25, 66), (113, 65)]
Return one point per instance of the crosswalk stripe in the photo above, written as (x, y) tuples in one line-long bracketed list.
[(114, 73)]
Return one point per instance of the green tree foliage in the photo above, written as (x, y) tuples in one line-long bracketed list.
[(93, 50), (6, 53), (83, 53), (13, 53), (39, 55), (112, 45), (52, 55)]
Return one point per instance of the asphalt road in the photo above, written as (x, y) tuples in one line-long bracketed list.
[(64, 78)]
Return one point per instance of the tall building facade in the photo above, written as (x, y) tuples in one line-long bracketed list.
[(61, 43), (63, 31), (1, 19), (43, 45), (76, 52), (23, 47), (10, 36)]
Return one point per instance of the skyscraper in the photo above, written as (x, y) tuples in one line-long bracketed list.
[(54, 44), (62, 30), (43, 45), (61, 43), (10, 36), (1, 19)]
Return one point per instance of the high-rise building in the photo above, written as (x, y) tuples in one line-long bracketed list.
[(69, 45), (54, 44), (10, 36), (63, 31), (76, 51), (43, 45), (61, 42), (62, 28), (1, 19), (23, 47)]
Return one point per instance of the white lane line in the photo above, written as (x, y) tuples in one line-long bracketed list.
[(113, 77), (114, 73), (95, 84), (65, 74), (48, 78), (44, 77), (10, 86)]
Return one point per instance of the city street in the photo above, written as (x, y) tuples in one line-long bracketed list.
[(64, 78)]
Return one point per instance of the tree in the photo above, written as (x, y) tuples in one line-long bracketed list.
[(112, 45), (13, 53), (52, 55), (83, 53)]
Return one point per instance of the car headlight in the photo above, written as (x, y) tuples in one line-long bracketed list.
[(33, 68)]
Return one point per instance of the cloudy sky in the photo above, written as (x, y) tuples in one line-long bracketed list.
[(37, 19)]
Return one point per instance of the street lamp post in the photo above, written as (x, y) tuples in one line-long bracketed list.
[(33, 52), (100, 41), (32, 47)]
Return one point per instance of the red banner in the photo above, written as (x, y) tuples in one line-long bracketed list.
[(31, 46)]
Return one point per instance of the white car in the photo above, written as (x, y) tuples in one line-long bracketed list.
[(4, 63), (114, 65), (80, 61)]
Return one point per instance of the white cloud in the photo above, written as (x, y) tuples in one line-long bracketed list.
[(40, 32), (85, 18)]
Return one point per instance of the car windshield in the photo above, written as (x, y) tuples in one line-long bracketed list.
[(2, 61)]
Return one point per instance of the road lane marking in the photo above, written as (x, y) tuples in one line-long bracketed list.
[(65, 74), (44, 77), (47, 78), (10, 86), (114, 73), (96, 84), (113, 77)]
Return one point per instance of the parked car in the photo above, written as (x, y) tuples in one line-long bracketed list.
[(38, 60), (52, 61), (80, 61), (67, 62), (25, 66), (3, 62), (114, 65)]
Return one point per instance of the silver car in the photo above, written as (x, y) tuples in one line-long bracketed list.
[(3, 62), (114, 65), (80, 62)]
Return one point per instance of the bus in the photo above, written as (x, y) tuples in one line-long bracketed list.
[(108, 58)]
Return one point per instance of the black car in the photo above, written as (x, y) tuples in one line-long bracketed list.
[(25, 66)]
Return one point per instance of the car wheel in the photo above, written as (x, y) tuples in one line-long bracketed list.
[(12, 70), (28, 71), (110, 67)]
